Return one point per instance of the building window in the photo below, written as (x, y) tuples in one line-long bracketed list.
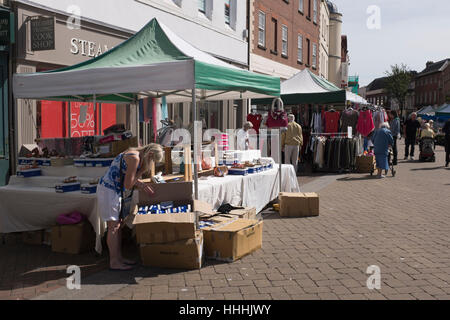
[(308, 47), (315, 11), (262, 29), (300, 6), (275, 36), (300, 48), (309, 10), (227, 11), (314, 56), (284, 40), (202, 6), (435, 96)]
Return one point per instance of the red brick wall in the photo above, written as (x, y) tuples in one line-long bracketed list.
[(297, 23), (446, 85), (426, 86)]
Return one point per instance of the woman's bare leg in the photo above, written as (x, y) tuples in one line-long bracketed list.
[(114, 244)]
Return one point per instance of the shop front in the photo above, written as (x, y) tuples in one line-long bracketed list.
[(48, 40)]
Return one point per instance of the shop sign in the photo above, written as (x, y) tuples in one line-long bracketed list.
[(42, 34), (5, 28), (87, 48)]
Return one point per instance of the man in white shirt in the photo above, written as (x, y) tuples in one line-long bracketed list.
[(243, 136)]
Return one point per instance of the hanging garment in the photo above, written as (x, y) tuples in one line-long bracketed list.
[(255, 119), (277, 119), (365, 123), (349, 118), (332, 121)]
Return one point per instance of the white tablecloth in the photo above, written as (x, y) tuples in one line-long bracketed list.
[(28, 204), (254, 190)]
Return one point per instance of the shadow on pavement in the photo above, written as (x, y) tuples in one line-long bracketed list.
[(358, 178), (432, 168)]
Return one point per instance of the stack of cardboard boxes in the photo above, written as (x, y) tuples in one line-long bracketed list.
[(175, 240)]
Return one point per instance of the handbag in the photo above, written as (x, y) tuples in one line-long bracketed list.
[(125, 197)]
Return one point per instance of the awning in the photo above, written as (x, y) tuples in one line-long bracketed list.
[(307, 88), (154, 62)]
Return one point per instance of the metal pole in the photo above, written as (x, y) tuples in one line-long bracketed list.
[(281, 156), (194, 105)]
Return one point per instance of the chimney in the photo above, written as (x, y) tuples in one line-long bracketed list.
[(429, 63)]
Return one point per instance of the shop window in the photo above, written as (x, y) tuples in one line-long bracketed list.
[(262, 29), (227, 12), (202, 6), (284, 41)]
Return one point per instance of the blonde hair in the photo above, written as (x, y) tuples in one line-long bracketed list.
[(151, 152)]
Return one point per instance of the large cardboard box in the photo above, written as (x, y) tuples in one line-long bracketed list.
[(33, 237), (181, 254), (73, 239), (169, 227), (299, 204), (231, 241), (117, 147)]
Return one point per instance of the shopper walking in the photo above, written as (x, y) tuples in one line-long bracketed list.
[(123, 175), (382, 139), (446, 131), (395, 130), (410, 134), (292, 142)]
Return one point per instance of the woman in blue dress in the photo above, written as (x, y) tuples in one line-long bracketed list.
[(124, 174), (382, 139)]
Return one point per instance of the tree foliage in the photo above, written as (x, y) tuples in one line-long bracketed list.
[(398, 81)]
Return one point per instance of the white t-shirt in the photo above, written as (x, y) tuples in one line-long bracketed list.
[(242, 138)]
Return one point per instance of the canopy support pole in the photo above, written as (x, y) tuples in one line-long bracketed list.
[(194, 105)]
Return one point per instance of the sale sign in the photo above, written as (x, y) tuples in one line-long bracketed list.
[(82, 119)]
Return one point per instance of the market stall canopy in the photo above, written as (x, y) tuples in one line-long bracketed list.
[(352, 97), (306, 87), (426, 110), (155, 62), (443, 112)]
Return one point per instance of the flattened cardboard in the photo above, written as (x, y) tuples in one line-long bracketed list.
[(231, 241), (183, 254), (246, 213), (73, 239), (299, 204)]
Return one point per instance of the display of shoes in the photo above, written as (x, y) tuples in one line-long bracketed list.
[(70, 179)]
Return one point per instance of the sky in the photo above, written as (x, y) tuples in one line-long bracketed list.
[(411, 32)]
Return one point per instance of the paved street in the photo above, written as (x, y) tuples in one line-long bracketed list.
[(400, 224)]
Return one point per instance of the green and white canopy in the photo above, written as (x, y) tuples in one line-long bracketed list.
[(307, 88), (154, 62)]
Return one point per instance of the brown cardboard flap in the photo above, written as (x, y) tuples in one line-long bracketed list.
[(174, 191), (184, 254), (202, 207), (161, 228), (236, 225)]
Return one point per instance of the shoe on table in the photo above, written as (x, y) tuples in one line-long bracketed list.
[(411, 158), (405, 158)]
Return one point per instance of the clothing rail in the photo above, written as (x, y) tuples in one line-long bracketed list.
[(331, 134)]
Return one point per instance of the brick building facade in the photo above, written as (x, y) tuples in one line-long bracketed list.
[(433, 84), (285, 36)]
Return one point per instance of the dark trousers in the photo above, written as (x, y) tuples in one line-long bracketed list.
[(395, 151), (408, 143), (447, 151)]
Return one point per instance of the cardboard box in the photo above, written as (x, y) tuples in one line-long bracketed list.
[(68, 187), (73, 239), (365, 164), (61, 162), (29, 173), (182, 254), (299, 204), (169, 227), (88, 188), (246, 213), (120, 146), (33, 237), (231, 241)]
